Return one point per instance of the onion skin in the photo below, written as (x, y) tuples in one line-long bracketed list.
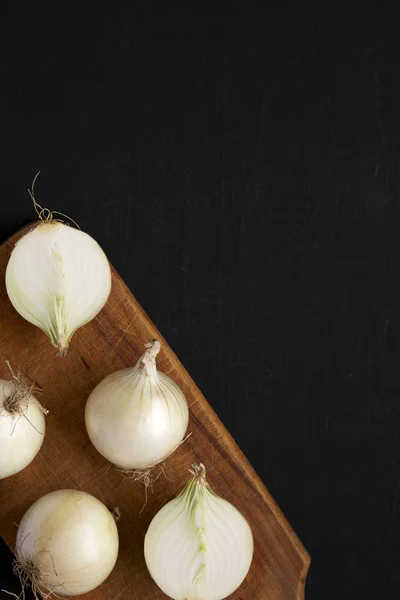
[(70, 539), (137, 417), (21, 432)]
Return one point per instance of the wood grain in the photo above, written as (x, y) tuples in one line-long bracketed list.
[(115, 339)]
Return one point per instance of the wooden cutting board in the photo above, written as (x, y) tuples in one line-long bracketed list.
[(113, 340)]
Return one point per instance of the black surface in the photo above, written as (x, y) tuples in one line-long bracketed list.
[(241, 172)]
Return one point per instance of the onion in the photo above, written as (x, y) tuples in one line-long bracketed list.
[(137, 416), (198, 546), (58, 278), (22, 426), (67, 543)]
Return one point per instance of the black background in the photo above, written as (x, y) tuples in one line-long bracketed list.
[(239, 165)]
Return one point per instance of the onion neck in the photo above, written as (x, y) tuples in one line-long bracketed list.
[(62, 346), (116, 513), (199, 474), (148, 360)]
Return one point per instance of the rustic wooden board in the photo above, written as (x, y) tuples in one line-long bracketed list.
[(113, 340)]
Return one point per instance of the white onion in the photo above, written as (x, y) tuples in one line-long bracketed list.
[(137, 416), (198, 546), (67, 543), (22, 427), (58, 278)]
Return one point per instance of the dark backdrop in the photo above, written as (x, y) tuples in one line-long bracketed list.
[(240, 169)]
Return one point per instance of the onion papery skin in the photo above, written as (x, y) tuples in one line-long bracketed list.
[(136, 420), (71, 539), (21, 432)]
